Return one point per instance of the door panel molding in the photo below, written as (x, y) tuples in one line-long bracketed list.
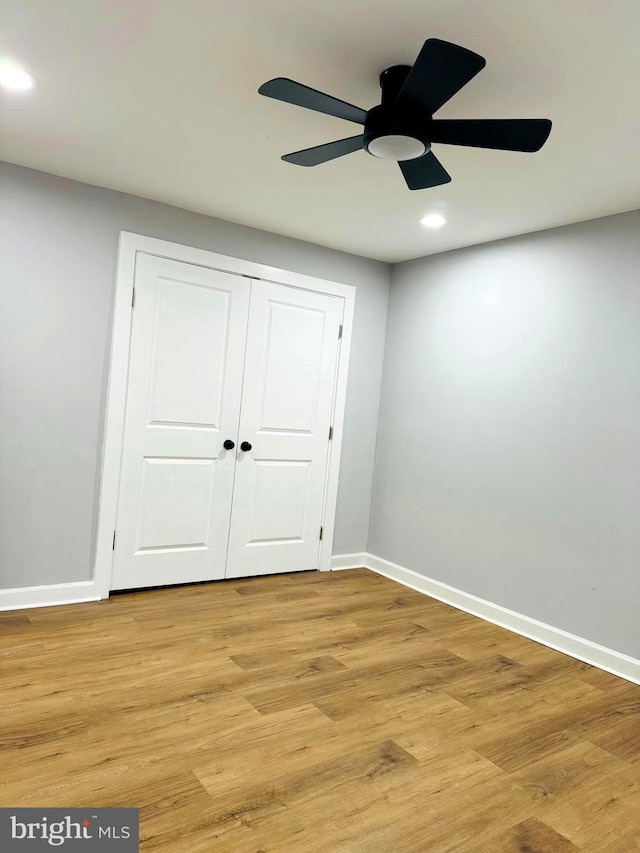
[(130, 247)]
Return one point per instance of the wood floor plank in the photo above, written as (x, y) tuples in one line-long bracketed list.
[(531, 836), (316, 713)]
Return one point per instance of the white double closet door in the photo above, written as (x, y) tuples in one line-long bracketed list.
[(214, 358)]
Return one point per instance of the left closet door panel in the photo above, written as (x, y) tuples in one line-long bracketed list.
[(183, 401)]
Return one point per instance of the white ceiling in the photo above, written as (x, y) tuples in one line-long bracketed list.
[(159, 98)]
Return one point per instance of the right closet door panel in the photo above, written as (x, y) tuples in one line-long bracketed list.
[(287, 402)]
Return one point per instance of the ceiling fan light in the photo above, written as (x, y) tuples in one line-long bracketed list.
[(396, 147)]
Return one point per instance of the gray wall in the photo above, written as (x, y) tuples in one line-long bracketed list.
[(58, 242), (508, 460)]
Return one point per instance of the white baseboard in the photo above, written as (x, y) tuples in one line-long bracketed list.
[(599, 656), (349, 561), (48, 595), (577, 647)]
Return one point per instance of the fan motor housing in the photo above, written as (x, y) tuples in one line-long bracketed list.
[(406, 140), (386, 121)]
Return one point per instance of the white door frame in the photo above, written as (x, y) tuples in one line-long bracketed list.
[(130, 244)]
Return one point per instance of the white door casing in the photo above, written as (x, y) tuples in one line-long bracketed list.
[(183, 401), (292, 353)]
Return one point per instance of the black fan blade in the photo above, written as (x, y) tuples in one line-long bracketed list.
[(440, 70), (518, 134), (283, 89), (324, 153), (423, 172)]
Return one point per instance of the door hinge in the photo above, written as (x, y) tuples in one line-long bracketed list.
[(340, 330), (133, 297), (321, 529), (113, 546), (330, 433)]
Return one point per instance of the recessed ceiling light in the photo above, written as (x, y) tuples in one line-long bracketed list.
[(433, 220), (14, 77)]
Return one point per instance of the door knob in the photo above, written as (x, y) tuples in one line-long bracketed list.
[(228, 444), (245, 446)]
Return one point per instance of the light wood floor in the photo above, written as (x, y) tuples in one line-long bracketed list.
[(316, 713)]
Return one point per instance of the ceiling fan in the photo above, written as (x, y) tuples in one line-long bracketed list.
[(402, 127)]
